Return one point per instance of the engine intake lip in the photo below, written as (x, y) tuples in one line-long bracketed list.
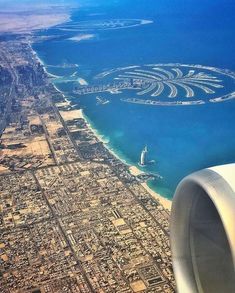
[(203, 233)]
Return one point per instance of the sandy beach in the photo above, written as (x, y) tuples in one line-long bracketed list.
[(135, 171), (164, 201), (73, 114), (70, 115)]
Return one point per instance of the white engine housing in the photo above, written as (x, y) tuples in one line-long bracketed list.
[(203, 231)]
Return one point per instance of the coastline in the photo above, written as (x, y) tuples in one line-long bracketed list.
[(166, 203), (26, 24), (101, 138)]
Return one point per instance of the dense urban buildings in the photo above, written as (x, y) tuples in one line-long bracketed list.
[(72, 216)]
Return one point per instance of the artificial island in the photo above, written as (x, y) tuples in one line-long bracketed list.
[(171, 84)]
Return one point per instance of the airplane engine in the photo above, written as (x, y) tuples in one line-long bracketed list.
[(203, 231)]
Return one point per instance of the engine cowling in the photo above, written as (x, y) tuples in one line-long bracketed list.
[(203, 231)]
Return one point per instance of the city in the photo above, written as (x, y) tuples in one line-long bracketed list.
[(71, 214), (117, 142)]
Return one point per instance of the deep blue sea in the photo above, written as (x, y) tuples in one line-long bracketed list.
[(181, 139)]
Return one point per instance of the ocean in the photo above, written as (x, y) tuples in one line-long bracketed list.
[(155, 42)]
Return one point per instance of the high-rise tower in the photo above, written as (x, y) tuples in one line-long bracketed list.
[(143, 156)]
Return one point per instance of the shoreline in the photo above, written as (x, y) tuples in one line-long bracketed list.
[(135, 171), (101, 139), (40, 19), (166, 203)]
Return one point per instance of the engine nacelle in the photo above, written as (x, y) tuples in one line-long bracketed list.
[(203, 231)]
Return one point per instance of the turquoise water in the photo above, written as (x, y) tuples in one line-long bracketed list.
[(180, 139)]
